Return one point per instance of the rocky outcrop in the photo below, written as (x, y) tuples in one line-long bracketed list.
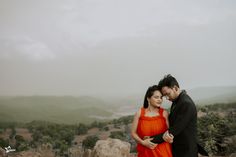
[(103, 148), (111, 148), (87, 153), (75, 152), (46, 150), (233, 155), (2, 152), (25, 154)]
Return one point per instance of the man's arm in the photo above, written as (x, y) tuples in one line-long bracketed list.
[(158, 138)]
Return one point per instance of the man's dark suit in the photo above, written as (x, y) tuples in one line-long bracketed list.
[(183, 125)]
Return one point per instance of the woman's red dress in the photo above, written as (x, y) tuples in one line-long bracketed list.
[(149, 126)]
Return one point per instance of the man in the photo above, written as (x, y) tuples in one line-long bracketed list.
[(182, 120)]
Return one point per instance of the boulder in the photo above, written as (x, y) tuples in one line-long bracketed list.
[(75, 152), (111, 148), (2, 152), (87, 153), (233, 155)]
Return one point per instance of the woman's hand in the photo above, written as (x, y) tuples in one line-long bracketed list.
[(147, 143)]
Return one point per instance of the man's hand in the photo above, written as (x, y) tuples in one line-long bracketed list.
[(168, 137), (147, 143)]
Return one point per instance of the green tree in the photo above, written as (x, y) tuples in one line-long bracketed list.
[(13, 132), (3, 143), (118, 135), (212, 129), (82, 129), (21, 144)]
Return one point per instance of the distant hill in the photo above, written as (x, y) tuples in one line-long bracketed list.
[(211, 95), (59, 109), (201, 96), (85, 109)]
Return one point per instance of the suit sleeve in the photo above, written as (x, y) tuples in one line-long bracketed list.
[(157, 138), (184, 116)]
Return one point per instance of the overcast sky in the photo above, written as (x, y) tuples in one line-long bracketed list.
[(114, 47)]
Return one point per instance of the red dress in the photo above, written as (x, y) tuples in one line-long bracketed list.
[(149, 126)]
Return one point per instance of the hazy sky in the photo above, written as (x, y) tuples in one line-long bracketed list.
[(115, 47)]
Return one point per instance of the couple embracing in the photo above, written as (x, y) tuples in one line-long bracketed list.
[(160, 134)]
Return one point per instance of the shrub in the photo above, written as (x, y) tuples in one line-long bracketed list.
[(118, 135), (89, 142)]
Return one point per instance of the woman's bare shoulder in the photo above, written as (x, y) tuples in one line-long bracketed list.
[(138, 113), (165, 113)]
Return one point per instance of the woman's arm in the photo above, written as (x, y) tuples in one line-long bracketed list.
[(166, 115), (135, 126)]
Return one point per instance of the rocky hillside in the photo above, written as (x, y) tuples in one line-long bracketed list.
[(216, 128)]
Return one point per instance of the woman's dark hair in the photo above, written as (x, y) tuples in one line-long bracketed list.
[(149, 94), (168, 81)]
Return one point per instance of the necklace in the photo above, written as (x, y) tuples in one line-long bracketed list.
[(152, 112)]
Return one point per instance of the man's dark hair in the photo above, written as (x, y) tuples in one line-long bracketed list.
[(168, 81)]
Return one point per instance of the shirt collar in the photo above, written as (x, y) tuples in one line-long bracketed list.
[(181, 93)]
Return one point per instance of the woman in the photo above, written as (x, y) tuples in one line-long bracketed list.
[(148, 121)]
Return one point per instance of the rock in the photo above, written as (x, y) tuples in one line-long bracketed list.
[(75, 152), (133, 155), (87, 153), (111, 148), (233, 155), (45, 150), (26, 154), (2, 152)]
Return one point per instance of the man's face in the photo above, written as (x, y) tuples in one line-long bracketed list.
[(169, 93)]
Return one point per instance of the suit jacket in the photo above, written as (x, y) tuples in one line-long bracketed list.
[(183, 125)]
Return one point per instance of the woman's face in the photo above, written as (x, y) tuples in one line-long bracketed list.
[(156, 99)]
